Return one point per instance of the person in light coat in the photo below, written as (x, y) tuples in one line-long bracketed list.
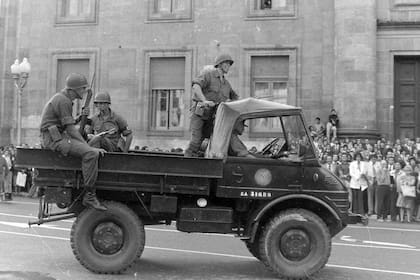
[(358, 170), (406, 203)]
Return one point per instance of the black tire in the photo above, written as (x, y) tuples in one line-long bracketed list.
[(253, 248), (295, 244), (108, 241)]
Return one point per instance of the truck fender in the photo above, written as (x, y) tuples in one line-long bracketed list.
[(259, 214)]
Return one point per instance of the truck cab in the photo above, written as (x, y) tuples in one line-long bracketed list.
[(286, 168)]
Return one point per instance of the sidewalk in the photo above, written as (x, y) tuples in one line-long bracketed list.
[(20, 197), (374, 221)]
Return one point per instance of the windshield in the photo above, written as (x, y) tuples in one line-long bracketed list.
[(279, 137), (297, 140)]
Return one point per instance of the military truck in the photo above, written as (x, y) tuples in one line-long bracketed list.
[(281, 203)]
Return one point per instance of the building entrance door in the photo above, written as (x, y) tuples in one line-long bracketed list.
[(407, 97)]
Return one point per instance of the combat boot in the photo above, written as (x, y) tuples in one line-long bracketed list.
[(90, 200)]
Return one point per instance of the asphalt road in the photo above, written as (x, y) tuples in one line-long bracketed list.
[(380, 251)]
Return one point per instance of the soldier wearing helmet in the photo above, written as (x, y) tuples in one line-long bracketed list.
[(237, 148), (209, 89), (108, 130), (59, 133)]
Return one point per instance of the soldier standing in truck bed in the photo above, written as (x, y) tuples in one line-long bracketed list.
[(209, 88), (108, 130), (59, 133)]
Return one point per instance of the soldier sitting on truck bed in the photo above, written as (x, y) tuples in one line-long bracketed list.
[(108, 129), (59, 133)]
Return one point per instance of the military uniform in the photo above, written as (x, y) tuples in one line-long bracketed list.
[(217, 89), (236, 147), (110, 141), (56, 114)]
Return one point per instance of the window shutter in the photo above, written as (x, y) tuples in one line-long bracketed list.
[(167, 73), (270, 66)]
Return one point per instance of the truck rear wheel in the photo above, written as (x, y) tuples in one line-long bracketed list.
[(295, 244), (107, 241)]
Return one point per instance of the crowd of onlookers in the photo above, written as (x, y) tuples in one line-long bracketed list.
[(13, 180), (382, 176)]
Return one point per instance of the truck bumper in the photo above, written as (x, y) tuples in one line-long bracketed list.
[(357, 219)]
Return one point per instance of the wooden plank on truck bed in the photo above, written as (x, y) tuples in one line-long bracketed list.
[(125, 163)]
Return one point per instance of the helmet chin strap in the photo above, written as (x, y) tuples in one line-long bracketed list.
[(78, 96)]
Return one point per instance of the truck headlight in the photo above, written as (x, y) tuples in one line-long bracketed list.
[(202, 202)]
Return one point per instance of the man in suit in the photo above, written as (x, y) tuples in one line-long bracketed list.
[(331, 166)]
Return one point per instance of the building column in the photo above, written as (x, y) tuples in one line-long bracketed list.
[(355, 68), (8, 42)]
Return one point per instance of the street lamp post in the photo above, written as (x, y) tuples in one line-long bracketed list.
[(20, 74)]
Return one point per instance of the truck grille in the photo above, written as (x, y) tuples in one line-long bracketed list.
[(340, 200)]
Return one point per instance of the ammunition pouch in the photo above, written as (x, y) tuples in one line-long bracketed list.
[(54, 133), (204, 111)]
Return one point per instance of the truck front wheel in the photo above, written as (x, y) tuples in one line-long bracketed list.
[(295, 244), (107, 241)]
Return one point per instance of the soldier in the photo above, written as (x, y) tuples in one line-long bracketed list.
[(59, 133), (209, 89), (109, 129), (236, 147)]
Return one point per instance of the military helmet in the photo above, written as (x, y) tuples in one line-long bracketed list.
[(222, 58), (102, 97), (76, 81)]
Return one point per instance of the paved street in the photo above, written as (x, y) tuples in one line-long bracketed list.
[(380, 251)]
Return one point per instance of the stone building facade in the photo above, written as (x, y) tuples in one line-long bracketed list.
[(361, 57)]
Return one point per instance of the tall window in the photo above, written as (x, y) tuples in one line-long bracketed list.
[(272, 8), (269, 77), (271, 90), (76, 11), (167, 93), (170, 10)]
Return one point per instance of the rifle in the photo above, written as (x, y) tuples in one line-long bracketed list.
[(84, 118), (110, 131)]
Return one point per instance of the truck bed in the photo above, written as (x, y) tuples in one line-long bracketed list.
[(145, 172)]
